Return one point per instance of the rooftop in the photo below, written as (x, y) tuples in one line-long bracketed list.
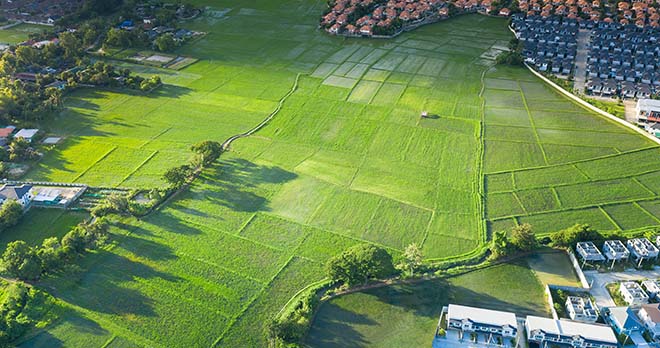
[(589, 251), (593, 332), (484, 316), (648, 104)]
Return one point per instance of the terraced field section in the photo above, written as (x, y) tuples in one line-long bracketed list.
[(552, 164), (347, 160)]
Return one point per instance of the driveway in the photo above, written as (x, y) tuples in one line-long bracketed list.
[(580, 76), (598, 282)]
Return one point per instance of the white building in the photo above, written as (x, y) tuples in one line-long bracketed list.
[(581, 309), (651, 287), (27, 134), (650, 316), (589, 252), (22, 194), (546, 331), (647, 111), (615, 251), (633, 293), (478, 320), (642, 249)]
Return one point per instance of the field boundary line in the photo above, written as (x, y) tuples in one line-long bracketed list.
[(155, 137), (646, 212), (555, 194), (588, 106), (582, 172), (562, 129), (579, 183), (95, 163), (224, 268), (578, 161), (610, 218), (109, 323), (109, 341), (428, 227), (481, 174), (138, 167), (246, 224), (280, 104), (531, 121), (576, 208), (233, 321), (643, 186), (237, 236)]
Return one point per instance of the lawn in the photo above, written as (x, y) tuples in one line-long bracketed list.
[(40, 223), (406, 315), (553, 268), (346, 160), (19, 33)]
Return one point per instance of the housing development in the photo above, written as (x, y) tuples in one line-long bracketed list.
[(344, 173)]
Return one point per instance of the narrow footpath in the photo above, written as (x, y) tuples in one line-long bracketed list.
[(580, 79)]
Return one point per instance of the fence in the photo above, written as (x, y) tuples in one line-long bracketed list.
[(578, 269), (42, 183)]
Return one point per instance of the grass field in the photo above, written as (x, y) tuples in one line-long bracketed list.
[(19, 33), (406, 315), (39, 223), (347, 160)]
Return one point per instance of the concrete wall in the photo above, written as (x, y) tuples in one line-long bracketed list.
[(578, 269)]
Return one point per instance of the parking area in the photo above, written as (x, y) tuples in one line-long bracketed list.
[(598, 281)]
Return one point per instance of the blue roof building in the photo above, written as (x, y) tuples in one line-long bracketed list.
[(625, 321)]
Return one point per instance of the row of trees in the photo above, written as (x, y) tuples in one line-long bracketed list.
[(29, 263), (22, 307), (520, 239), (206, 152)]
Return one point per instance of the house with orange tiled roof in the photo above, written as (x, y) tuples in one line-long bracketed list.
[(366, 30), (505, 12)]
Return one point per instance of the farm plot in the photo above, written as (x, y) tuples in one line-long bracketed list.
[(346, 160), (406, 315)]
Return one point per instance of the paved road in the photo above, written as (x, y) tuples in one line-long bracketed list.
[(580, 77), (598, 282)]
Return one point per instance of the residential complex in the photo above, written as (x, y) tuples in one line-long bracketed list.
[(615, 250), (470, 319), (581, 309), (589, 252), (642, 249), (633, 293), (548, 331)]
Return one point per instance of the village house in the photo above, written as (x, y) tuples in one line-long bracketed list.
[(647, 111), (615, 251), (633, 293), (642, 249), (624, 321), (652, 288), (650, 316), (581, 309), (26, 134), (546, 331), (589, 252), (20, 193), (5, 134), (478, 320)]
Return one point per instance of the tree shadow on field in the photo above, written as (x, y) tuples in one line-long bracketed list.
[(334, 327), (171, 223), (242, 185), (111, 285)]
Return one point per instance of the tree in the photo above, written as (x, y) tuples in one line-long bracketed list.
[(360, 263), (523, 238), (21, 260), (50, 254), (165, 43), (500, 245), (10, 212), (412, 258), (19, 149), (177, 176), (74, 241), (71, 44), (208, 151), (577, 233)]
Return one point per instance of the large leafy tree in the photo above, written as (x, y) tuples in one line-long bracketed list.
[(10, 212), (523, 238), (21, 260), (359, 264), (412, 259), (208, 151)]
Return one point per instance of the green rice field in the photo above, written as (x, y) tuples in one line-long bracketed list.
[(347, 160)]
